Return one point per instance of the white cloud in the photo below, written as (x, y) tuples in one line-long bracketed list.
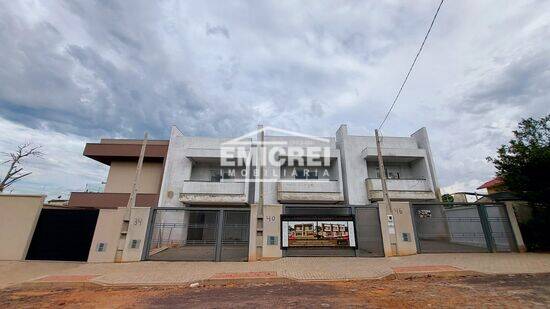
[(92, 69), (61, 170)]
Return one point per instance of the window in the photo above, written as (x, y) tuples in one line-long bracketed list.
[(229, 174), (101, 247), (134, 244), (391, 173), (306, 174), (215, 176)]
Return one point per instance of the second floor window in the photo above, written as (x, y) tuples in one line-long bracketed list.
[(306, 174), (390, 173)]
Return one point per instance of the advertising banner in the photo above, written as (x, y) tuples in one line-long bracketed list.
[(318, 232)]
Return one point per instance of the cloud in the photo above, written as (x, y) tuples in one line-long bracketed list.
[(61, 170), (109, 69), (217, 30)]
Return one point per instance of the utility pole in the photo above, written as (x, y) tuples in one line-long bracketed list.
[(133, 194), (385, 195), (131, 203), (261, 171)]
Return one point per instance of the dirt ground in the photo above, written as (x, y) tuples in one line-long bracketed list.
[(472, 291)]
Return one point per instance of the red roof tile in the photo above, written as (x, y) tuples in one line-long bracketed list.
[(497, 181)]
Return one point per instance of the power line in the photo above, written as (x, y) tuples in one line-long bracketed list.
[(412, 66)]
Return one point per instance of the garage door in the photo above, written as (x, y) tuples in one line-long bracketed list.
[(63, 235)]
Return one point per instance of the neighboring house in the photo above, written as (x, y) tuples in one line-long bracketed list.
[(497, 192), (494, 185), (121, 155)]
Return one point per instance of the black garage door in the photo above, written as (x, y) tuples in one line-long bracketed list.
[(63, 235)]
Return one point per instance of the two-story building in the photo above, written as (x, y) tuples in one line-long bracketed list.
[(240, 199)]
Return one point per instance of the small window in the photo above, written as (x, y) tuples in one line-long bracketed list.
[(134, 244), (300, 174), (272, 240), (215, 176), (101, 247), (393, 174), (390, 174), (306, 174), (229, 174)]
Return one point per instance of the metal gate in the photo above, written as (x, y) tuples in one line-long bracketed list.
[(367, 230), (201, 234), (462, 227), (369, 236)]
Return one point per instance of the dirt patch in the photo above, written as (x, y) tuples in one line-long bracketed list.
[(479, 291)]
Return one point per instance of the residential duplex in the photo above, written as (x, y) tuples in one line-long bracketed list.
[(208, 210), (268, 194)]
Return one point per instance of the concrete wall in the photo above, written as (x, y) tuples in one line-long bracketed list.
[(403, 224), (272, 227), (18, 217), (137, 230), (107, 231), (122, 174), (423, 142)]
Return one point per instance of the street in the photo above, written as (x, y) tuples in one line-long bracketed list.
[(475, 291)]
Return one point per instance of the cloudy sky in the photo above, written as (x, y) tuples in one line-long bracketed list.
[(76, 71)]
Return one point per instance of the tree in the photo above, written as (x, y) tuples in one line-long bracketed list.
[(447, 198), (15, 159), (524, 165)]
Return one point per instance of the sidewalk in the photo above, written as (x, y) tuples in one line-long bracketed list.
[(307, 268)]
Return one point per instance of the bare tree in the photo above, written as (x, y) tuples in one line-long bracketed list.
[(15, 171)]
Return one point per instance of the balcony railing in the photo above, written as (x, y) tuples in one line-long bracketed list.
[(206, 192), (309, 191), (413, 189)]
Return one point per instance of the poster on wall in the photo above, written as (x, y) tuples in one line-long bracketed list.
[(320, 232)]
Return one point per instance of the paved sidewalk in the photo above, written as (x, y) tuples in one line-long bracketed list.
[(306, 268)]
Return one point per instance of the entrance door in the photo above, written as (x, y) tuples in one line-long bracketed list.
[(63, 235), (199, 235)]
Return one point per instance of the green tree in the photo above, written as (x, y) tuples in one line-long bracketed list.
[(524, 165), (447, 198)]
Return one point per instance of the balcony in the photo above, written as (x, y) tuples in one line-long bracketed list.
[(400, 189), (110, 200), (229, 192), (309, 191)]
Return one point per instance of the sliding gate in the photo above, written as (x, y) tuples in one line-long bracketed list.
[(462, 228), (199, 235)]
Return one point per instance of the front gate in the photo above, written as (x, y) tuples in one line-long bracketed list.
[(367, 230), (201, 234), (462, 227)]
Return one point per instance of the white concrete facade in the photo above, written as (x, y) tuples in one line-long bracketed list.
[(195, 177), (409, 167)]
